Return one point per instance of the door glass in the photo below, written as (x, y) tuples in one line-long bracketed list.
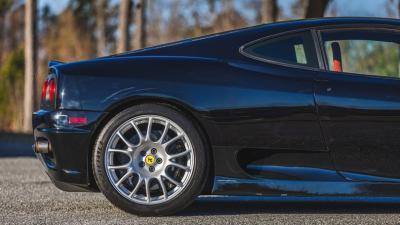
[(369, 52), (291, 49)]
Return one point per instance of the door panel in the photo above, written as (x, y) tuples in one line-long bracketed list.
[(360, 113), (360, 117)]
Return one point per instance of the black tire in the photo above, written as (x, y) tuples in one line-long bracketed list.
[(192, 189)]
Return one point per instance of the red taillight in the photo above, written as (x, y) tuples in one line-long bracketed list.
[(49, 92), (44, 90), (52, 91)]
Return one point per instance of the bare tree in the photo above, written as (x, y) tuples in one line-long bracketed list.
[(211, 5), (5, 24), (315, 8), (101, 6), (123, 26), (269, 11), (140, 23), (30, 62), (5, 29)]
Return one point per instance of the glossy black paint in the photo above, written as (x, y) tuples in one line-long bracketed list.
[(361, 117), (68, 165), (296, 130)]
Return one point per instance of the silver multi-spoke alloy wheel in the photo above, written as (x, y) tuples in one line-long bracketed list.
[(149, 159)]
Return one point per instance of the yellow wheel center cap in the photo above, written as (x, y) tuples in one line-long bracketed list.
[(150, 160)]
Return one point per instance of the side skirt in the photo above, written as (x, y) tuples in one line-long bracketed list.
[(271, 187)]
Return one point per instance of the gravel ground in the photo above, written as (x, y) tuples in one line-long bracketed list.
[(28, 197)]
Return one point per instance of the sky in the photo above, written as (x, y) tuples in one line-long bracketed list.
[(372, 8)]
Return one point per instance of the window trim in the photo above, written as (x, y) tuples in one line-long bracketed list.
[(325, 56), (282, 34)]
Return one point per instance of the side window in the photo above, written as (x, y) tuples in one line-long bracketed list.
[(369, 52), (297, 49)]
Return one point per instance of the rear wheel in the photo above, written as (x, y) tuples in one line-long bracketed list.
[(150, 160)]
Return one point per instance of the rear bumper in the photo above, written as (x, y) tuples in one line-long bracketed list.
[(68, 161)]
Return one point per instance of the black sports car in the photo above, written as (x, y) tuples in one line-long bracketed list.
[(308, 107)]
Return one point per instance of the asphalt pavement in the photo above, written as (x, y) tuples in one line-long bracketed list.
[(28, 197)]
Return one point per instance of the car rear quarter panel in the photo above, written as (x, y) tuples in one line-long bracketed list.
[(235, 102)]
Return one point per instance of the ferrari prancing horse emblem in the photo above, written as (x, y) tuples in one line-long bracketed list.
[(150, 160)]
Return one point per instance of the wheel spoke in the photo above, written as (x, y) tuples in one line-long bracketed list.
[(165, 131), (124, 140), (172, 140), (123, 178), (126, 152), (136, 188), (125, 166), (147, 187), (148, 133), (164, 190), (186, 168), (138, 132), (172, 180), (180, 154)]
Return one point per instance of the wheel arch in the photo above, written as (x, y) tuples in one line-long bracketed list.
[(187, 111)]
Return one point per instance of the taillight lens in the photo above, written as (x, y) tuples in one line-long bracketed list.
[(44, 90), (52, 91), (49, 92)]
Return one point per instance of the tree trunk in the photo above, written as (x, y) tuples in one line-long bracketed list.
[(269, 11), (140, 23), (30, 63), (123, 26), (101, 6), (316, 8), (211, 6), (5, 34)]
